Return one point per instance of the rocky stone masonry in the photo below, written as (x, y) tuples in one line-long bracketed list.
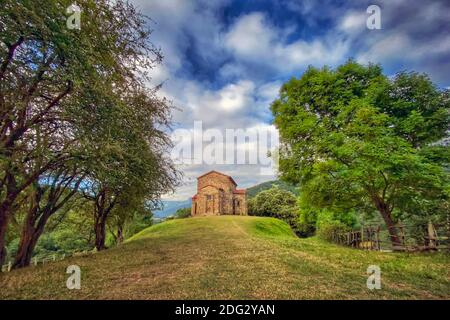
[(217, 195)]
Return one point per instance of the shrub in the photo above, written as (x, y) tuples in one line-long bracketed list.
[(329, 222), (327, 231), (307, 221), (183, 213), (276, 203)]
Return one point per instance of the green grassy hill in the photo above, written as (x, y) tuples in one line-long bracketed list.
[(232, 258)]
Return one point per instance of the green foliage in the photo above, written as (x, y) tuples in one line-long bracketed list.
[(77, 111), (323, 222), (253, 191), (329, 222), (183, 213), (269, 202), (275, 202), (72, 234), (357, 140), (307, 221), (137, 224)]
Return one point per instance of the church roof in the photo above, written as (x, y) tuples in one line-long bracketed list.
[(214, 171), (240, 191)]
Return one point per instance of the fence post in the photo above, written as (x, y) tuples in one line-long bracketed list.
[(401, 237), (377, 235), (35, 261), (54, 257), (432, 236), (362, 238), (9, 266), (369, 238)]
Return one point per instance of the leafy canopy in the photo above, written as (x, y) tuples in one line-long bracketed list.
[(353, 138)]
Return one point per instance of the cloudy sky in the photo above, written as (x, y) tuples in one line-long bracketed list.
[(225, 60)]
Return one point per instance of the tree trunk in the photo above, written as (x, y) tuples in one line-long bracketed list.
[(5, 209), (3, 252), (100, 231), (119, 234), (27, 244), (386, 214), (29, 236), (104, 203), (28, 240), (37, 218)]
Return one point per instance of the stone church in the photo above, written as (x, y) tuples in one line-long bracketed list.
[(217, 195)]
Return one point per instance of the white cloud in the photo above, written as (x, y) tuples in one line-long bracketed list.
[(353, 22), (250, 36), (235, 105), (269, 91), (254, 39), (399, 46), (253, 57), (234, 97)]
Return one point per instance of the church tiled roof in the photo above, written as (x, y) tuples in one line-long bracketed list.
[(214, 171)]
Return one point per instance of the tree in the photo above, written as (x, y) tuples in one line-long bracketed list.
[(357, 140), (45, 199), (278, 203), (56, 83), (130, 168), (128, 218)]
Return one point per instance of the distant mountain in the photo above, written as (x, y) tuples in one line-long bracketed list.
[(253, 191), (170, 207)]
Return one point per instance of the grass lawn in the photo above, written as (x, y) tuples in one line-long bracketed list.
[(232, 258)]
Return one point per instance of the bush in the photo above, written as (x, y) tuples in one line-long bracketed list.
[(183, 213), (329, 222), (276, 203), (269, 203), (307, 222), (327, 231)]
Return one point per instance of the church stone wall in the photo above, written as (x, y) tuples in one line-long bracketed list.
[(217, 195)]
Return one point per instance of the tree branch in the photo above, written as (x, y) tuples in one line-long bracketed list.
[(9, 57)]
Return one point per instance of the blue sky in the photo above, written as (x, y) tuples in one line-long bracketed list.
[(225, 60)]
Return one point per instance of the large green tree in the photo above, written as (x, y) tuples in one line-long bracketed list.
[(130, 171), (57, 87), (356, 139), (130, 168)]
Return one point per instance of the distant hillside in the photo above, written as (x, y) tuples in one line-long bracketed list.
[(170, 207), (253, 191)]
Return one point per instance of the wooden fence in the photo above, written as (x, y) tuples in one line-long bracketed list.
[(35, 261), (420, 237)]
